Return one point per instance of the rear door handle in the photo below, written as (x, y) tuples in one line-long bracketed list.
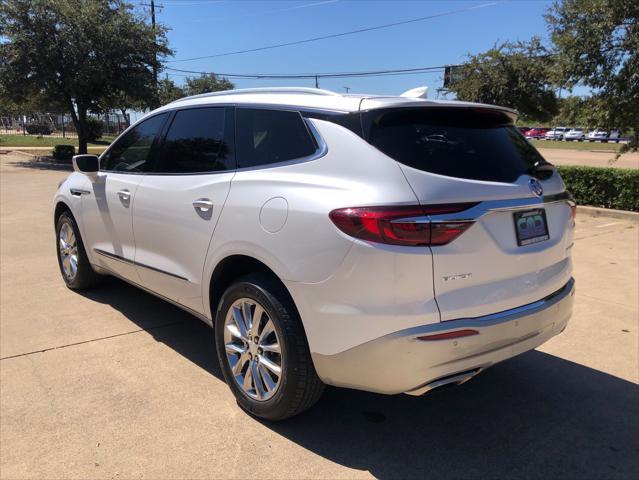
[(125, 195), (203, 204)]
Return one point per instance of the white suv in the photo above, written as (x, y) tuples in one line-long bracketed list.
[(387, 244)]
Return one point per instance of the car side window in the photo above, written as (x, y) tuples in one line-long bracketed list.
[(132, 152), (271, 136), (195, 142)]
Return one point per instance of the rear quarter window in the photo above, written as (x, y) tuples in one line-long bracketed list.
[(456, 142), (265, 137)]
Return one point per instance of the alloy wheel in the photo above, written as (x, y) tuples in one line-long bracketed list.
[(68, 248), (253, 349)]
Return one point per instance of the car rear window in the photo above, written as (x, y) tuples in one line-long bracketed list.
[(464, 143)]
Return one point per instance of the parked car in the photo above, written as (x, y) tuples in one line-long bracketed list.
[(598, 134), (523, 130), (387, 244), (615, 136), (537, 132), (556, 133), (575, 134)]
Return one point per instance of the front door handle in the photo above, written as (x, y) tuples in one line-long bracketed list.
[(203, 204), (125, 195)]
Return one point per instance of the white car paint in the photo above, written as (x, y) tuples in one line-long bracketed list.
[(575, 134), (556, 133), (348, 292), (597, 134)]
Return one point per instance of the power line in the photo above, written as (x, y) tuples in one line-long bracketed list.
[(370, 73), (342, 34)]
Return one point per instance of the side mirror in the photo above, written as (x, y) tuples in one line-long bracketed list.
[(87, 164)]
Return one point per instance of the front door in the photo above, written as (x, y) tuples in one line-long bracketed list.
[(106, 211), (177, 206)]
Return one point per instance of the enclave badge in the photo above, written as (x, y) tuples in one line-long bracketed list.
[(535, 187)]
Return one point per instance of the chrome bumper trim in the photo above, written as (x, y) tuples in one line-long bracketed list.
[(400, 362), (493, 318)]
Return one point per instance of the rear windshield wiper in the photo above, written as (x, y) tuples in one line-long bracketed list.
[(541, 169)]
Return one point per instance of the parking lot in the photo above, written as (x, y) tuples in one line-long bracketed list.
[(115, 383)]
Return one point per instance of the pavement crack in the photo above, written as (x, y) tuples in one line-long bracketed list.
[(612, 302), (164, 325)]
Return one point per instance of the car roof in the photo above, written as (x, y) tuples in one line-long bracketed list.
[(318, 99)]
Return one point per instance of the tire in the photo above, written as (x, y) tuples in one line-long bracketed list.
[(84, 276), (298, 386)]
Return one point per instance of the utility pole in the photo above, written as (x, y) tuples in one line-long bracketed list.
[(316, 82), (155, 56), (348, 89)]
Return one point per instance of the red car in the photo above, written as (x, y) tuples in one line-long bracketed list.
[(538, 132)]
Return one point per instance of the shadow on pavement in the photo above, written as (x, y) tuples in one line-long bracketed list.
[(43, 163), (535, 416)]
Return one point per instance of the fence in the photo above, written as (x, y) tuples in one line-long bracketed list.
[(59, 124)]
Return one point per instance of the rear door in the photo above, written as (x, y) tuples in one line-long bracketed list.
[(177, 206), (517, 230)]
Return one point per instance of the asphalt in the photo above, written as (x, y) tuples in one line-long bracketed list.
[(115, 383)]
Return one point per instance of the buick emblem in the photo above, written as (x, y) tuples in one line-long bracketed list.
[(535, 187)]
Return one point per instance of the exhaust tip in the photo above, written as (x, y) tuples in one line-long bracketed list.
[(450, 380)]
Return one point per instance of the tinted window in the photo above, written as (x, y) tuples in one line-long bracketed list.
[(271, 136), (350, 121), (473, 144), (133, 151), (195, 142)]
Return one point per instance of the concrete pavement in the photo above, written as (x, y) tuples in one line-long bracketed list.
[(115, 383)]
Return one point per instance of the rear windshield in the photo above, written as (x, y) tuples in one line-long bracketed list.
[(463, 143)]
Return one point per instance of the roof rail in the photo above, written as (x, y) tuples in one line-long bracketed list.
[(243, 91)]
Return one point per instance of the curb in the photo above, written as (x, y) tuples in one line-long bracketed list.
[(607, 212)]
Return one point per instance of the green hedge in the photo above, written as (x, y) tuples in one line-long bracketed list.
[(63, 152), (605, 187)]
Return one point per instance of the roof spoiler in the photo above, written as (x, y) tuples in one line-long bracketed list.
[(417, 92)]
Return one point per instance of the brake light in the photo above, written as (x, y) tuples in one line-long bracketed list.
[(403, 225)]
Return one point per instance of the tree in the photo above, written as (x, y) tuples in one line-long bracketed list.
[(515, 75), (82, 53), (206, 83), (597, 46), (168, 91)]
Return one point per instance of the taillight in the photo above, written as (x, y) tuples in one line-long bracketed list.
[(382, 225), (573, 210), (403, 225), (443, 233)]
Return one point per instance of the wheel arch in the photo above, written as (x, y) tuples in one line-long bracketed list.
[(235, 266), (60, 207)]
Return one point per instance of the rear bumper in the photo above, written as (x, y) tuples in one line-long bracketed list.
[(400, 362)]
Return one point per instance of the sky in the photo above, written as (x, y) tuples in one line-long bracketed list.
[(210, 27)]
